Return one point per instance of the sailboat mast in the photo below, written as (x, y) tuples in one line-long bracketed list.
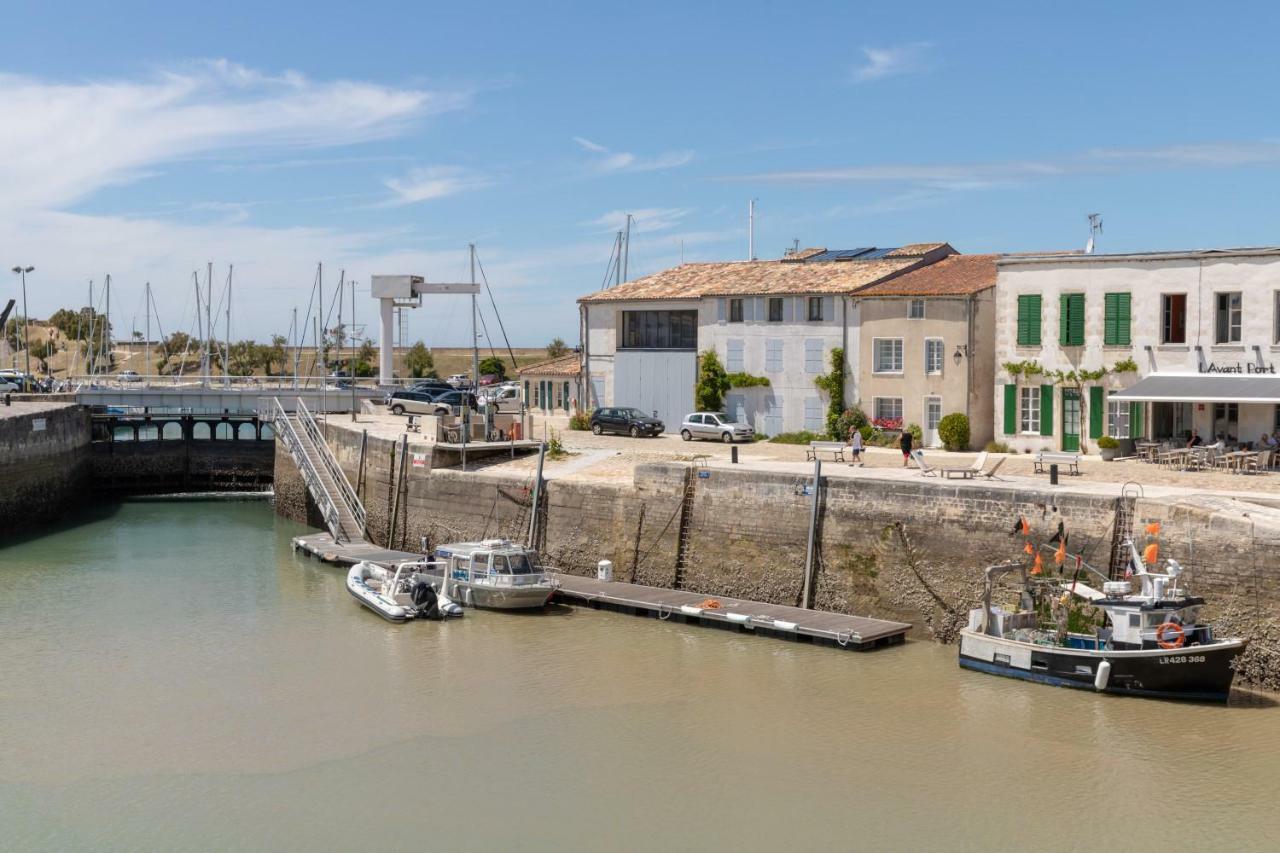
[(226, 353), (626, 250), (106, 331), (475, 347), (146, 347)]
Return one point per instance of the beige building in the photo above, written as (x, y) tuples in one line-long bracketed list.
[(925, 348), (553, 386)]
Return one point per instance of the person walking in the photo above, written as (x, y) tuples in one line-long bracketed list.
[(855, 446), (905, 444)]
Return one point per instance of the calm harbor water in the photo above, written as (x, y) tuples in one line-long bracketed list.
[(175, 678)]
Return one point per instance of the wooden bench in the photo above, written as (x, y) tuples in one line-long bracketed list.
[(1045, 458), (835, 448)]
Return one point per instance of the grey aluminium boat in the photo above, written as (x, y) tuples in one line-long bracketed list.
[(495, 573)]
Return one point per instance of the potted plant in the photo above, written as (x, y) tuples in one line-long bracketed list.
[(1108, 447)]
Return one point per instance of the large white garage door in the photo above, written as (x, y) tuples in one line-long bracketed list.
[(656, 381)]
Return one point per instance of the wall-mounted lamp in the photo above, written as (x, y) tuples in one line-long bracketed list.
[(961, 352)]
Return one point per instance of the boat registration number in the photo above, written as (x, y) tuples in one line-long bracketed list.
[(1183, 659)]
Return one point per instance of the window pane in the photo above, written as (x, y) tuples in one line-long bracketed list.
[(775, 310), (735, 310)]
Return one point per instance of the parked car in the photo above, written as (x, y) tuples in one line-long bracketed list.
[(632, 422), (504, 398), (7, 386), (411, 402), (431, 385), (716, 426), (443, 404), (458, 380), (129, 376)]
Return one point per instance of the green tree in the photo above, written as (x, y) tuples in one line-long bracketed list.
[(419, 361), (713, 382), (273, 353), (833, 384), (242, 358), (557, 348), (176, 344), (493, 365), (366, 352)]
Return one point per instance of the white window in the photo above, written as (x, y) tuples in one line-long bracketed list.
[(915, 309), (933, 355), (813, 355), (733, 360), (813, 414), (887, 355), (773, 355), (1227, 325), (1118, 418), (1029, 411), (888, 408)]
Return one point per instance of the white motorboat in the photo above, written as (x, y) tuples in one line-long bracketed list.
[(495, 573), (398, 595)]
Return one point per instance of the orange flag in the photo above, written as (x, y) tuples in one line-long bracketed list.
[(1151, 554), (1026, 527), (1029, 548), (1038, 566), (1153, 529), (1061, 554)]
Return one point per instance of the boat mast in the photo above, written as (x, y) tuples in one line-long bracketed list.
[(226, 353), (475, 346), (146, 347), (626, 250), (106, 331)]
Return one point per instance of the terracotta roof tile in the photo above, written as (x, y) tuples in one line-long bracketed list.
[(916, 250), (565, 365), (955, 275), (752, 278)]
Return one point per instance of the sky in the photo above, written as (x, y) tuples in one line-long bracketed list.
[(147, 140)]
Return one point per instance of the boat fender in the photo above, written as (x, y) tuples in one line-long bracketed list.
[(784, 626), (690, 611), (1102, 676)]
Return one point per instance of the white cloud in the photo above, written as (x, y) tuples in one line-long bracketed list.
[(76, 138), (643, 219), (608, 160), (884, 62), (430, 182), (972, 176)]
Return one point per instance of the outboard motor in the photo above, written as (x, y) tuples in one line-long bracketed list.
[(423, 596)]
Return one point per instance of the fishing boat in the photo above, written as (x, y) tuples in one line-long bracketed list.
[(1149, 643), (407, 592), (495, 573)]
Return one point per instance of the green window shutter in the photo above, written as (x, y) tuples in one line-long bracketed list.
[(1029, 319), (1135, 420), (1110, 319), (1046, 410), (1095, 411), (1122, 319), (1010, 409), (1064, 314), (1075, 320)]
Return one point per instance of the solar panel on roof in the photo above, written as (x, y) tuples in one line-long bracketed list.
[(840, 254), (876, 253)]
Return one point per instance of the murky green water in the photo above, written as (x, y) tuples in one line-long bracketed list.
[(175, 678)]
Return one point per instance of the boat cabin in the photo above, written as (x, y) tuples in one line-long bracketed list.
[(492, 561)]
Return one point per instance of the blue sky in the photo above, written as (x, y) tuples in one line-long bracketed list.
[(143, 140)]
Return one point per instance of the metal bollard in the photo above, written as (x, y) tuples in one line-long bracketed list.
[(733, 454), (9, 402), (1053, 475)]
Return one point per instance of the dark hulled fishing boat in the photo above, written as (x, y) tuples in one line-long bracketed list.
[(1152, 643)]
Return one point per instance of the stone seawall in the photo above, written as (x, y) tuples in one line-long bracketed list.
[(44, 461), (909, 550), (164, 467)]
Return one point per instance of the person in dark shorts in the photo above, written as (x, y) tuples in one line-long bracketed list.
[(905, 444)]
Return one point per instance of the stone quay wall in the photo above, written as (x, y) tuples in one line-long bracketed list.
[(44, 461), (911, 550)]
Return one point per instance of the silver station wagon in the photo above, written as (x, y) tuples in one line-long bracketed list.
[(716, 426)]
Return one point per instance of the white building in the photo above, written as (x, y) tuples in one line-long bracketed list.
[(1202, 329), (777, 319)]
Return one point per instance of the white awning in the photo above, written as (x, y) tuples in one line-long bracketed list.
[(1203, 388)]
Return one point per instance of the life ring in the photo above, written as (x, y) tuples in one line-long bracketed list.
[(1164, 629)]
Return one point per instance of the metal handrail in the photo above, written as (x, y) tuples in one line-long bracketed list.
[(330, 462), (310, 476)]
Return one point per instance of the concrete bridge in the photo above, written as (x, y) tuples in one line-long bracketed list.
[(245, 399)]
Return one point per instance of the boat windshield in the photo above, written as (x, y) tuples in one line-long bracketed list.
[(512, 564)]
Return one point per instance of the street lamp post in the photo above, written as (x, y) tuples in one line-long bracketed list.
[(26, 318)]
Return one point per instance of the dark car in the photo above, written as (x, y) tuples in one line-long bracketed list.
[(632, 422), (446, 402), (431, 385)]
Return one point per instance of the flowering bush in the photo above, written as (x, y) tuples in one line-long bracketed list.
[(887, 423)]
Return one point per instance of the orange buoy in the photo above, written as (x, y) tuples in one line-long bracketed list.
[(1167, 629), (1060, 555)]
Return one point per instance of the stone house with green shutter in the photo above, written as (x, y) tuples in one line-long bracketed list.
[(1145, 345)]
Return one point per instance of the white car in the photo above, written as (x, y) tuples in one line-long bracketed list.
[(457, 380), (716, 426), (129, 376), (505, 398), (6, 386)]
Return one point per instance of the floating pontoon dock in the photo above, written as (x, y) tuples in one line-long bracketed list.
[(773, 620)]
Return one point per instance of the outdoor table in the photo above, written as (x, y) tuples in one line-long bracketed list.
[(1235, 460), (1179, 456), (1148, 450)]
